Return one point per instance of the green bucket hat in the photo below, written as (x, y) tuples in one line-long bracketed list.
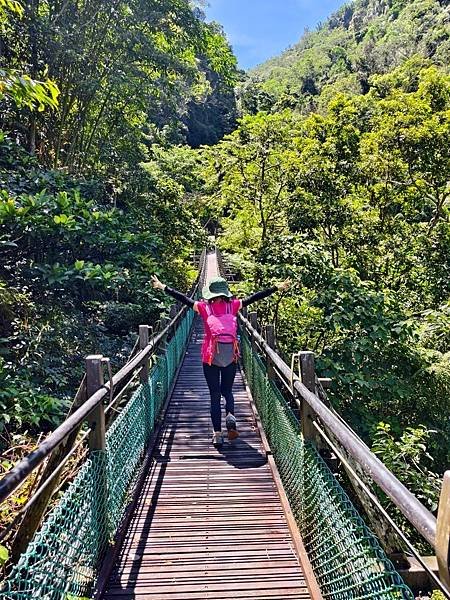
[(217, 286)]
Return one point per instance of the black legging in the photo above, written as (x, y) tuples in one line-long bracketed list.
[(220, 383)]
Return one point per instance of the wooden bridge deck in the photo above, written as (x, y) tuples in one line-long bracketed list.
[(209, 523)]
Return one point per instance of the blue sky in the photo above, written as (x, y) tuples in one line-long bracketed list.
[(260, 29)]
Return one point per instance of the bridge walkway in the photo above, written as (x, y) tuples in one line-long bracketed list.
[(209, 522)]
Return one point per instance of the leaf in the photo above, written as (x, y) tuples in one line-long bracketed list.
[(4, 555)]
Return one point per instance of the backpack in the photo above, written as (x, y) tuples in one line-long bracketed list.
[(223, 328)]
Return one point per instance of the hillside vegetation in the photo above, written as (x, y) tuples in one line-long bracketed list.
[(362, 38)]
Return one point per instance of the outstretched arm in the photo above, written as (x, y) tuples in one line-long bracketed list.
[(283, 286), (158, 285), (259, 296)]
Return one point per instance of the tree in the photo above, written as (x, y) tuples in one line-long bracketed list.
[(251, 171), (328, 149), (18, 87), (413, 128), (119, 66)]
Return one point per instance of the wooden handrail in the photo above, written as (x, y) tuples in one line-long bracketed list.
[(416, 513)]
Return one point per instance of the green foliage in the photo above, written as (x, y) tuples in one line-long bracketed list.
[(82, 263), (405, 453), (18, 87), (407, 457), (126, 77), (4, 555), (353, 205), (364, 37), (23, 404), (120, 318), (436, 328), (437, 595), (253, 166), (27, 92), (9, 5)]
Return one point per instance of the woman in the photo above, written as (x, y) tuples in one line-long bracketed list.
[(220, 351)]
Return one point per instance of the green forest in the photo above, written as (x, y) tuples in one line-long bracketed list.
[(126, 128)]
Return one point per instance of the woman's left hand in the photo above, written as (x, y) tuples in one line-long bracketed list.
[(283, 286)]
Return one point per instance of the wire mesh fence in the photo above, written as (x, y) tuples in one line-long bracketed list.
[(347, 559), (64, 557)]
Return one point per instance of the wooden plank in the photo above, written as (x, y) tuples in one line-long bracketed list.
[(232, 565), (218, 556)]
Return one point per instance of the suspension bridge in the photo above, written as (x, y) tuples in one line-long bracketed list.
[(155, 511)]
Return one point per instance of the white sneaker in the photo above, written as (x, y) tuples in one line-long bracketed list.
[(217, 439)]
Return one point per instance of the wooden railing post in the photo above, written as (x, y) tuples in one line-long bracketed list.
[(144, 338), (94, 381), (269, 332), (308, 372), (443, 532), (97, 445), (253, 318), (143, 343), (162, 325)]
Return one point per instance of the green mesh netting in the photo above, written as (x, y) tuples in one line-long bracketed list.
[(63, 559), (347, 559)]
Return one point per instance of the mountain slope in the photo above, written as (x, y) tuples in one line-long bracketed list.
[(362, 38)]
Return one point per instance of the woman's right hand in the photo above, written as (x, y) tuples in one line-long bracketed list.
[(157, 284)]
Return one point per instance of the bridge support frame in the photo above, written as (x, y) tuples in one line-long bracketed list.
[(269, 334), (94, 381), (253, 318)]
